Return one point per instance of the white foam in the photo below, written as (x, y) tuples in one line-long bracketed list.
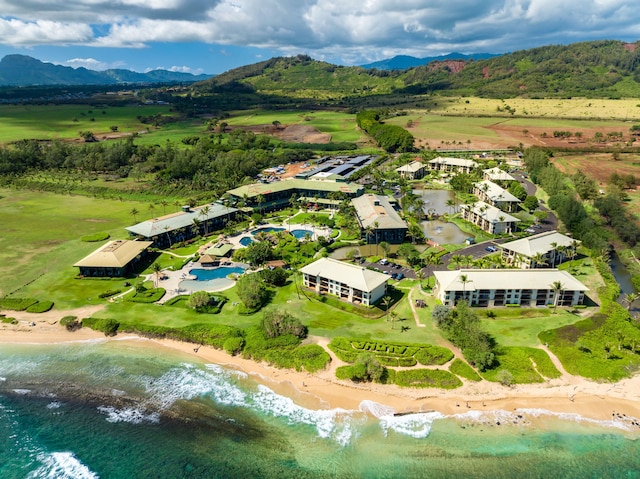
[(61, 465), (22, 392), (624, 423), (417, 425), (130, 415), (376, 409), (54, 405)]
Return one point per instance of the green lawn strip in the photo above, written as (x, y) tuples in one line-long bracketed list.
[(40, 307), (462, 369), (517, 361), (17, 304), (521, 326), (101, 236), (147, 296)]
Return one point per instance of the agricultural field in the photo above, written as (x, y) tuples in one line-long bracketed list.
[(49, 122)]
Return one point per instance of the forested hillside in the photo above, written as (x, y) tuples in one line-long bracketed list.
[(600, 69)]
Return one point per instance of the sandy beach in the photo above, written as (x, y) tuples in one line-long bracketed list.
[(568, 394)]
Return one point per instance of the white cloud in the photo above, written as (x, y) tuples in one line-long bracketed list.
[(91, 64), (342, 30)]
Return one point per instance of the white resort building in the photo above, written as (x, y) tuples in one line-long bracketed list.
[(455, 165), (496, 195), (378, 220), (412, 171), (497, 175), (499, 287), (544, 250), (489, 218), (347, 281)]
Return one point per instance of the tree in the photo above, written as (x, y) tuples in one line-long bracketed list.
[(199, 299), (531, 203), (386, 300), (367, 368), (386, 248), (278, 322), (258, 252), (464, 279), (157, 269), (629, 299), (557, 287), (166, 230), (251, 291), (204, 212), (134, 212)]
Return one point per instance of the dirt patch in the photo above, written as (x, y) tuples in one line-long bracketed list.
[(291, 133)]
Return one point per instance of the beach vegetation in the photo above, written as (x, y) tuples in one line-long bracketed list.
[(278, 322), (7, 319), (40, 307), (108, 326), (16, 304), (71, 323), (427, 378), (252, 292), (143, 295), (524, 364), (233, 345), (463, 370), (390, 354)]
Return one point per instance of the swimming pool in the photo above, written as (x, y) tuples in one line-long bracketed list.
[(210, 279), (246, 241), (301, 233), (267, 229), (215, 273)]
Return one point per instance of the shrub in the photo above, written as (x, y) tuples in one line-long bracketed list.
[(40, 307), (427, 378), (233, 345), (278, 322), (462, 369), (147, 296), (311, 357), (8, 320), (71, 323), (95, 237), (505, 377), (109, 293), (431, 355), (106, 325), (16, 304)]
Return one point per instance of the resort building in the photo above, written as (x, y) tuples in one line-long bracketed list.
[(497, 176), (277, 194), (115, 259), (341, 167), (347, 281), (544, 250), (412, 171), (495, 195), (378, 220), (489, 218), (183, 225), (499, 287), (452, 165)]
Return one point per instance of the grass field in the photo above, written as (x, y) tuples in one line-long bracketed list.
[(50, 122)]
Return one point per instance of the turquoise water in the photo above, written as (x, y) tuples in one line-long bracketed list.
[(301, 233), (215, 273), (121, 409), (246, 241)]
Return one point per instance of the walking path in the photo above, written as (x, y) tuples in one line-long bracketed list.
[(413, 309)]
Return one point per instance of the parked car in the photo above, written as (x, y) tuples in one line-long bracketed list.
[(530, 230), (394, 276), (491, 249), (399, 276), (384, 261)]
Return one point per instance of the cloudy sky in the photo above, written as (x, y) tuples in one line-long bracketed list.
[(212, 36)]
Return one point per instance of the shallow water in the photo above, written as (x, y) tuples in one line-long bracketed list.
[(119, 410)]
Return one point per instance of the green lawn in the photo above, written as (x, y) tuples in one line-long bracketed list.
[(19, 122)]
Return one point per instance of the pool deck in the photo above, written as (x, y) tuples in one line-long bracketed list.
[(172, 279)]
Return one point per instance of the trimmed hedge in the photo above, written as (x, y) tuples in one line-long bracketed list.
[(147, 296), (462, 369), (108, 326), (95, 237), (391, 354), (40, 307), (109, 293), (17, 304), (427, 378)]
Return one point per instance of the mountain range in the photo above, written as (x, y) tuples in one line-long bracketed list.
[(404, 62), (22, 70)]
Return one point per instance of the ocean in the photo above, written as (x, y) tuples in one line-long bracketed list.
[(118, 409)]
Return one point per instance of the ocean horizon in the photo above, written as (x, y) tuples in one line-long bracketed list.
[(109, 409)]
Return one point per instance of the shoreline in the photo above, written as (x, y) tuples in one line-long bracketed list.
[(321, 390)]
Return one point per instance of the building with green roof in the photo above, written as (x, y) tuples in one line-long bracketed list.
[(277, 194)]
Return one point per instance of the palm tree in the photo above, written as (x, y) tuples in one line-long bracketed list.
[(573, 251), (134, 212), (386, 300), (394, 317), (451, 204), (386, 248), (554, 247), (156, 268), (164, 204), (538, 259), (457, 260), (464, 279), (166, 230), (195, 227), (557, 288), (420, 276), (204, 212), (260, 201), (629, 299), (375, 229)]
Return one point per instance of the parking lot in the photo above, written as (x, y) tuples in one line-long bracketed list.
[(390, 268)]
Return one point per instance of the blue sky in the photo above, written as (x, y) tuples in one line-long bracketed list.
[(213, 36)]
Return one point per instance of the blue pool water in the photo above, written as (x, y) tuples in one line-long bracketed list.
[(216, 273), (301, 234), (268, 229), (246, 241)]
